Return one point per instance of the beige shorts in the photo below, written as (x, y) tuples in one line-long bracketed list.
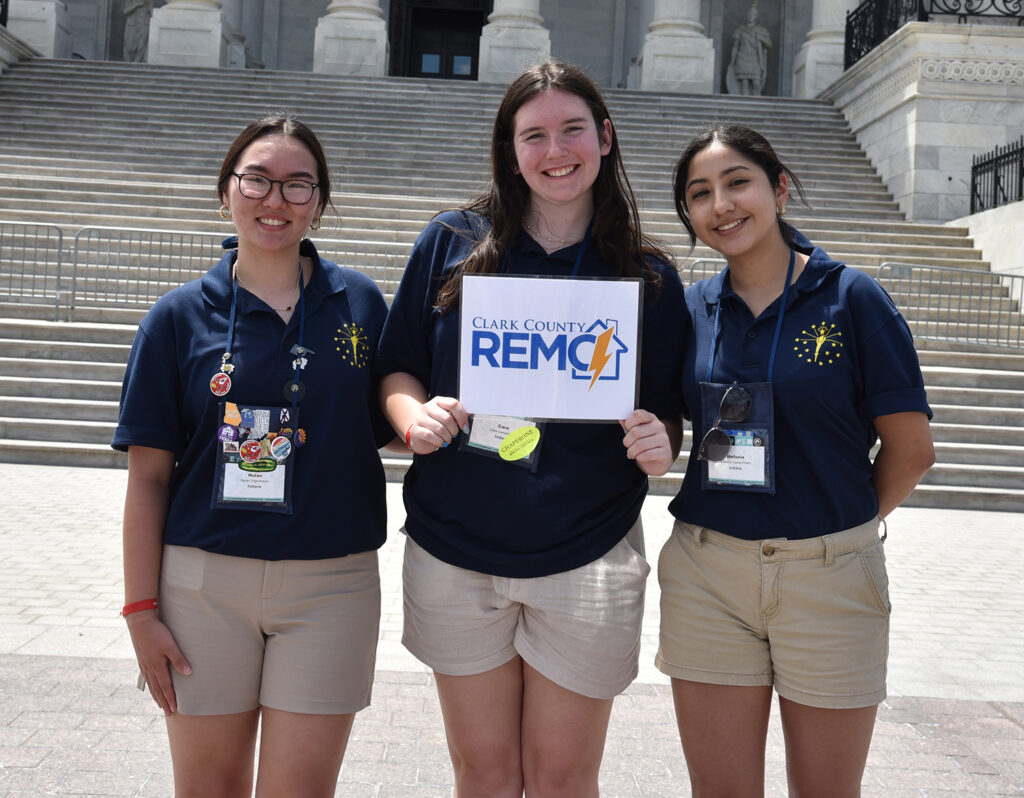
[(809, 617), (294, 635), (580, 628)]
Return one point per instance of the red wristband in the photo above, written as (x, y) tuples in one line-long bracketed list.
[(139, 606), (408, 435)]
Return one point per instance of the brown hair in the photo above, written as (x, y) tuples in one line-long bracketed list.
[(506, 199), (279, 125), (748, 143)]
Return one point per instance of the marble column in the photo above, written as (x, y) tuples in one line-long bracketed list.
[(677, 56), (253, 15), (513, 39), (819, 63), (44, 25), (352, 39), (231, 16), (188, 33)]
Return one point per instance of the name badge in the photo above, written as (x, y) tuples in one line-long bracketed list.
[(255, 459), (508, 438), (745, 463)]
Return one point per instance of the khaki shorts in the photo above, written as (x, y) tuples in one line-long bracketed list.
[(294, 635), (580, 628), (809, 617)]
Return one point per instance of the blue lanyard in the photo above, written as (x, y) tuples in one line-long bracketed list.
[(302, 327), (583, 248), (778, 324)]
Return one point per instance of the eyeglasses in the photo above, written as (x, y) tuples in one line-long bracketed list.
[(735, 407), (296, 192)]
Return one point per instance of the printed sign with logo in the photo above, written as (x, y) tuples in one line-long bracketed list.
[(557, 349)]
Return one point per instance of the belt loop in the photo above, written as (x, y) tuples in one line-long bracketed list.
[(698, 531), (885, 529), (830, 554)]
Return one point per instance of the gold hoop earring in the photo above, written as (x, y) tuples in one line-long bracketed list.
[(781, 210), (225, 211), (315, 224)]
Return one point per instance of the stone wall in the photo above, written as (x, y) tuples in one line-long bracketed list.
[(13, 49), (999, 234), (928, 99)]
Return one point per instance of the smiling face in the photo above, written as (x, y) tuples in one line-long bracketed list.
[(272, 223), (558, 149), (732, 203)]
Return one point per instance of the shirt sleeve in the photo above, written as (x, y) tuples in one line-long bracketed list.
[(889, 365), (405, 344), (151, 395)]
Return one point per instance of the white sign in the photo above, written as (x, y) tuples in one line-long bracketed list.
[(549, 348)]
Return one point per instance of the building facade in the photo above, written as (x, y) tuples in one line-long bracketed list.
[(921, 103), (669, 45)]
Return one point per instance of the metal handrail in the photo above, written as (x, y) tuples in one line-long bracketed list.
[(997, 177), (958, 305), (129, 267), (24, 247), (699, 269), (874, 21), (133, 267), (942, 303)]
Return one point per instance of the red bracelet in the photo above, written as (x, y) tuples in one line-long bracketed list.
[(408, 436), (139, 606)]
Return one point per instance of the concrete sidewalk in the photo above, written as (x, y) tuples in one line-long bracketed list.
[(72, 722)]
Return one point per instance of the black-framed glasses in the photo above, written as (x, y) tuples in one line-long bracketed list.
[(294, 191), (735, 407)]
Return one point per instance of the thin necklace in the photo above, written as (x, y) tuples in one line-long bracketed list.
[(298, 285), (563, 241)]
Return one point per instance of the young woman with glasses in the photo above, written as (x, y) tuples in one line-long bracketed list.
[(255, 501), (524, 581), (774, 575)]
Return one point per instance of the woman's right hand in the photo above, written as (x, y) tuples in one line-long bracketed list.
[(157, 653), (436, 423)]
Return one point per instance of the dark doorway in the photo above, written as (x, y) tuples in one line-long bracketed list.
[(436, 39)]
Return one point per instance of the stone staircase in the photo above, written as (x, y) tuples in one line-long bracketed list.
[(89, 144)]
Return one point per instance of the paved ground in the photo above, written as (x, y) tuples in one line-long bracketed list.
[(71, 721)]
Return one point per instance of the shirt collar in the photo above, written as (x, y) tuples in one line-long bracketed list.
[(818, 267), (327, 277)]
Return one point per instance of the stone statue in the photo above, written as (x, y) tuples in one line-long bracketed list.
[(749, 65), (137, 14)]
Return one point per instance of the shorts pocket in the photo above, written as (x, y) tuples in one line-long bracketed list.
[(182, 568), (625, 555), (872, 560)]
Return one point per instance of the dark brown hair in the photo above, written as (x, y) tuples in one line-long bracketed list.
[(752, 146), (506, 199), (279, 125)]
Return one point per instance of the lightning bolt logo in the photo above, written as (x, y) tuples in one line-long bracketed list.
[(601, 357)]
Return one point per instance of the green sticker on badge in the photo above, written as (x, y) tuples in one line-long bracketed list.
[(263, 465), (519, 443)]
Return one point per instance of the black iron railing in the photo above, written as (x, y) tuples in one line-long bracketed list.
[(997, 178), (3, 12), (874, 21)]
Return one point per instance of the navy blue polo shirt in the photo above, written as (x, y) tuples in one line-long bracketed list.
[(826, 397), (166, 403), (493, 517)]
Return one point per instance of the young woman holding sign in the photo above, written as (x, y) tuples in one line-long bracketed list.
[(774, 576), (524, 579)]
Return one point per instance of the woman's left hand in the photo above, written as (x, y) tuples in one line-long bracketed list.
[(649, 443)]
